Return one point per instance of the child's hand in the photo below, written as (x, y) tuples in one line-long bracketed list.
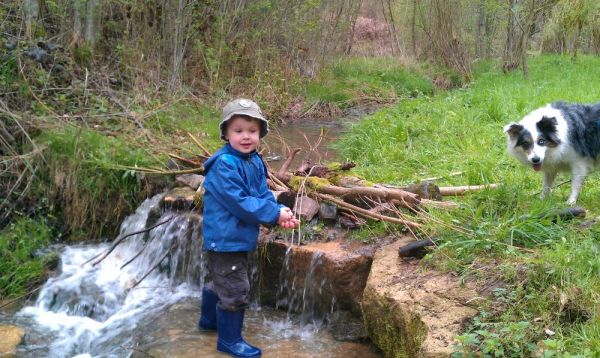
[(287, 219)]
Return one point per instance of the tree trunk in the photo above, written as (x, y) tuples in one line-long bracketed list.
[(413, 28), (480, 30), (85, 22), (354, 16), (91, 21), (512, 58), (178, 48), (31, 9)]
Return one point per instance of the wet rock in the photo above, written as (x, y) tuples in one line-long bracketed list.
[(192, 180), (344, 326), (287, 198), (351, 222), (306, 208), (410, 312), (10, 338), (337, 278), (183, 198), (328, 212), (173, 165), (426, 190)]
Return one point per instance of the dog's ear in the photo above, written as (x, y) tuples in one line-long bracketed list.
[(547, 124), (513, 129)]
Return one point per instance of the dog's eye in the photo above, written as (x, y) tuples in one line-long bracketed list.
[(541, 141)]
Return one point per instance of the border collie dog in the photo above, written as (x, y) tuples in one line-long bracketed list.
[(558, 137)]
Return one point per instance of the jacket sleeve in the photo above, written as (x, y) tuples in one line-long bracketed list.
[(232, 192)]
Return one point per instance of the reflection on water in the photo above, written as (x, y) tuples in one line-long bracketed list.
[(277, 333), (314, 138)]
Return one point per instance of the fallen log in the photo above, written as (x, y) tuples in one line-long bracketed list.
[(439, 204), (461, 190), (560, 214), (323, 186), (364, 212), (383, 194)]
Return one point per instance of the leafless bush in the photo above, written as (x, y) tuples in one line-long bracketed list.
[(446, 40), (19, 158)]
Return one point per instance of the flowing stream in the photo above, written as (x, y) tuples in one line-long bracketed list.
[(143, 300)]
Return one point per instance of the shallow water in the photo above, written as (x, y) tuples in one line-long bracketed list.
[(91, 310), (315, 138)]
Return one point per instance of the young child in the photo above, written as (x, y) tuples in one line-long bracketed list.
[(236, 201)]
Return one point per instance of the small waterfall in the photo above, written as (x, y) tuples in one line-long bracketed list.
[(90, 309), (147, 289), (305, 292)]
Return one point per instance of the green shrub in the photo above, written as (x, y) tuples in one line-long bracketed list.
[(362, 80), (21, 265), (85, 180)]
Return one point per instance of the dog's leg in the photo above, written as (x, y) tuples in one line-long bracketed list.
[(578, 174), (547, 180)]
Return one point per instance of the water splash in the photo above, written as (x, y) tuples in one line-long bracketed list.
[(87, 309), (305, 294), (98, 311)]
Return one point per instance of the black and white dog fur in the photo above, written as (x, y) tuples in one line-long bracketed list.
[(558, 137)]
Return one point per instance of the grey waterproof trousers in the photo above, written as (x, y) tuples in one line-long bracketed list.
[(229, 278)]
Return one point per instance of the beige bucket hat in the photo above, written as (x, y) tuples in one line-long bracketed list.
[(243, 107)]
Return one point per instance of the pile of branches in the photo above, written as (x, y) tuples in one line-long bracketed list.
[(354, 197)]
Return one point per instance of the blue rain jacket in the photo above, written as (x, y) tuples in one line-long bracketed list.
[(236, 201)]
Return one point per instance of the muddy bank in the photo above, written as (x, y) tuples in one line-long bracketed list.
[(411, 311)]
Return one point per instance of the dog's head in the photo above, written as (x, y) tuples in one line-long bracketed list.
[(535, 136)]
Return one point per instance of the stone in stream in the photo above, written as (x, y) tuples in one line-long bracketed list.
[(10, 338), (306, 208), (351, 222), (339, 275), (287, 198), (183, 198), (328, 212), (192, 180)]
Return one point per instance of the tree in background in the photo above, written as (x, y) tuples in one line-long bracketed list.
[(573, 25), (163, 46)]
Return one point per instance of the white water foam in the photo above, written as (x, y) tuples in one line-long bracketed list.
[(87, 308)]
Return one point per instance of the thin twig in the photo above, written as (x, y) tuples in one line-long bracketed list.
[(206, 152), (157, 264), (19, 297), (119, 240)]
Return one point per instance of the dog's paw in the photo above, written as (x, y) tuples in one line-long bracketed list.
[(572, 201)]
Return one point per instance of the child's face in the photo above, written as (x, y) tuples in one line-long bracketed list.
[(243, 133)]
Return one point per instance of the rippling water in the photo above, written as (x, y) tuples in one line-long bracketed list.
[(97, 310)]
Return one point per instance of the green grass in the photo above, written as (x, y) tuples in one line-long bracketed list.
[(82, 174), (352, 81), (540, 261), (21, 266)]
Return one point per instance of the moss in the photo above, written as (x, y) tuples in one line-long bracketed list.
[(296, 182), (337, 179), (396, 331)]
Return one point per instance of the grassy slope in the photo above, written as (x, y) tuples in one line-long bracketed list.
[(362, 81), (552, 270)]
